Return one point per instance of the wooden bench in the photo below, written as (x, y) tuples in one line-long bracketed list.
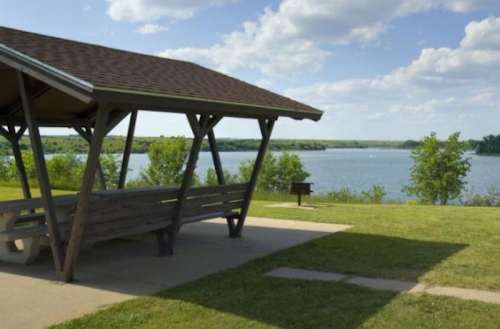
[(124, 213), (16, 224), (114, 214)]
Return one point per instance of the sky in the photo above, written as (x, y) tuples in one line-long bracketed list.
[(385, 69)]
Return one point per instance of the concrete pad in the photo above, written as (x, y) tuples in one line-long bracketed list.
[(293, 273), (469, 294), (384, 284), (119, 270)]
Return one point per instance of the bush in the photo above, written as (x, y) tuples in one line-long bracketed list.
[(375, 194), (490, 199), (344, 195)]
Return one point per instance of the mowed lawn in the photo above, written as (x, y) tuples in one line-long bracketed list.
[(445, 246), (14, 193)]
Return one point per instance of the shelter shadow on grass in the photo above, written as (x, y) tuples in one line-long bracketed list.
[(132, 267), (245, 293)]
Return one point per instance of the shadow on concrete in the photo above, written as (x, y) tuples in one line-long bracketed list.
[(131, 267), (284, 303)]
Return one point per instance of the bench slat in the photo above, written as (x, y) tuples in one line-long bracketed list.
[(189, 212), (211, 199), (198, 218), (35, 203), (219, 189), (125, 232)]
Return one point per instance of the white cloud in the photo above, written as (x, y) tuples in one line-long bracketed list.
[(475, 63), (86, 7), (151, 29), (149, 10), (482, 35), (289, 40)]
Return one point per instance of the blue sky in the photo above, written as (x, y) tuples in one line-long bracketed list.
[(386, 69)]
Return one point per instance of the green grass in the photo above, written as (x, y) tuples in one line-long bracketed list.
[(13, 193), (446, 246)]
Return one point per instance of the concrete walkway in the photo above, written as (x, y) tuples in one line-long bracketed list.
[(384, 284), (120, 270)]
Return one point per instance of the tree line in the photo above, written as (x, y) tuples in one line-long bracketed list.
[(490, 145)]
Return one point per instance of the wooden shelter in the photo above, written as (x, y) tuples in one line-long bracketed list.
[(52, 82)]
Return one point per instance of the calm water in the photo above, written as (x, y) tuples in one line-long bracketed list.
[(357, 169)]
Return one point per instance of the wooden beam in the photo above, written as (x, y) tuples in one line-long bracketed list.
[(86, 191), (266, 128), (199, 128), (87, 135), (115, 119), (21, 170), (21, 132), (219, 171), (5, 133), (207, 107), (128, 148), (44, 121), (216, 158), (37, 91), (43, 178)]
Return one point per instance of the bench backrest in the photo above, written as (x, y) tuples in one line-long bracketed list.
[(121, 213)]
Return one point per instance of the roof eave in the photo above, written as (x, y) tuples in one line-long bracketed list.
[(184, 104), (58, 79)]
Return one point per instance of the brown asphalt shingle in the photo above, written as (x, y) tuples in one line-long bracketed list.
[(112, 68)]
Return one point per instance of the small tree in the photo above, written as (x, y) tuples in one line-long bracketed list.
[(167, 157), (439, 170), (111, 166), (276, 172)]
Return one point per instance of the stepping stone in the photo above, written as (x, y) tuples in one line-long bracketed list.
[(292, 273), (384, 284), (471, 294)]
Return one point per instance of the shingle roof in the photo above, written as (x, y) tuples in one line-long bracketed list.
[(105, 67)]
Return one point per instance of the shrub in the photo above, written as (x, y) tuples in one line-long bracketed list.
[(344, 195), (490, 199), (375, 194)]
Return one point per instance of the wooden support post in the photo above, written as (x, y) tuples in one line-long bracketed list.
[(200, 130), (43, 178), (216, 158), (87, 135), (219, 171), (21, 169), (128, 148), (86, 191), (266, 128)]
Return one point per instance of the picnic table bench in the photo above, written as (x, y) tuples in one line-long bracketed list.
[(113, 214)]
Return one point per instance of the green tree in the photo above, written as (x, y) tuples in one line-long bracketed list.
[(167, 157), (276, 172), (111, 166), (290, 169), (439, 172), (211, 177)]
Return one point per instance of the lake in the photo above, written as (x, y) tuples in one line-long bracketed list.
[(357, 169)]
